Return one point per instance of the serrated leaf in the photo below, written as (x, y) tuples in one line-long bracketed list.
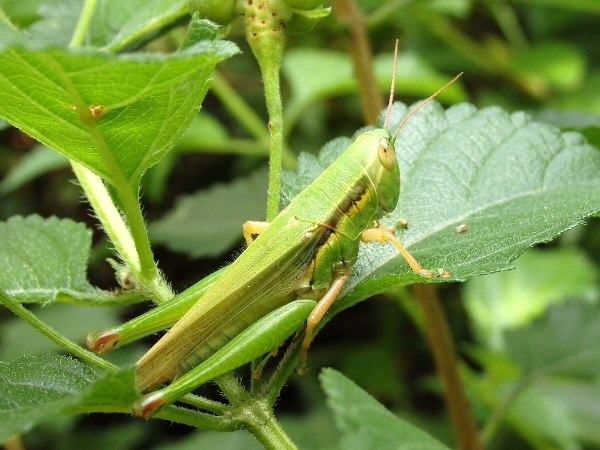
[(365, 423), (38, 161), (112, 392), (44, 259), (114, 25), (148, 100), (210, 222), (34, 389), (564, 341), (513, 182), (575, 120), (509, 300), (136, 18)]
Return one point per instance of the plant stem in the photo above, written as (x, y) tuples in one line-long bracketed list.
[(348, 14), (444, 354), (53, 335), (131, 243), (266, 36), (259, 420), (83, 24)]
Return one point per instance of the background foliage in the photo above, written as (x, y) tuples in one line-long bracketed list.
[(527, 338)]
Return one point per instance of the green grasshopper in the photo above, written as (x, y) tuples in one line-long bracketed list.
[(289, 275)]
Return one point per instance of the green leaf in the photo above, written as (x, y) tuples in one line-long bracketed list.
[(564, 341), (156, 99), (365, 423), (557, 64), (210, 222), (45, 260), (34, 389), (112, 392), (574, 120), (57, 22), (38, 161), (512, 181), (508, 300), (331, 74), (9, 35), (136, 18), (583, 405)]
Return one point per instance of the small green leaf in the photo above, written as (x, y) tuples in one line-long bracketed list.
[(136, 18), (331, 74), (9, 35), (141, 120), (112, 392), (508, 300), (210, 222), (365, 423), (57, 22), (34, 389), (557, 64), (38, 161), (564, 341), (45, 260)]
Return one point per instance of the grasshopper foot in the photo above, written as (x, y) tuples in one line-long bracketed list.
[(102, 341), (148, 404)]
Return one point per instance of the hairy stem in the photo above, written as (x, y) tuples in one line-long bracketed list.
[(53, 335)]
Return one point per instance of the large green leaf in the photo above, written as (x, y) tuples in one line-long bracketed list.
[(45, 260), (564, 341), (115, 24), (508, 300), (365, 423), (512, 181), (34, 389), (148, 100)]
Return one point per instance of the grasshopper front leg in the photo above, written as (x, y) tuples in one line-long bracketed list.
[(386, 234)]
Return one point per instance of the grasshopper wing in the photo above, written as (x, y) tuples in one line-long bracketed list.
[(262, 279)]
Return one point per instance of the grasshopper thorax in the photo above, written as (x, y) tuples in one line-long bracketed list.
[(374, 151)]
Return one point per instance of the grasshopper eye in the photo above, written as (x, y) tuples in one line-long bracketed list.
[(387, 155)]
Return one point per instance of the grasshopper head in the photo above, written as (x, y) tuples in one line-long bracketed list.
[(374, 150)]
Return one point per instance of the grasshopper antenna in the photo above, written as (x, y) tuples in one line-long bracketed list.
[(391, 100), (422, 104)]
